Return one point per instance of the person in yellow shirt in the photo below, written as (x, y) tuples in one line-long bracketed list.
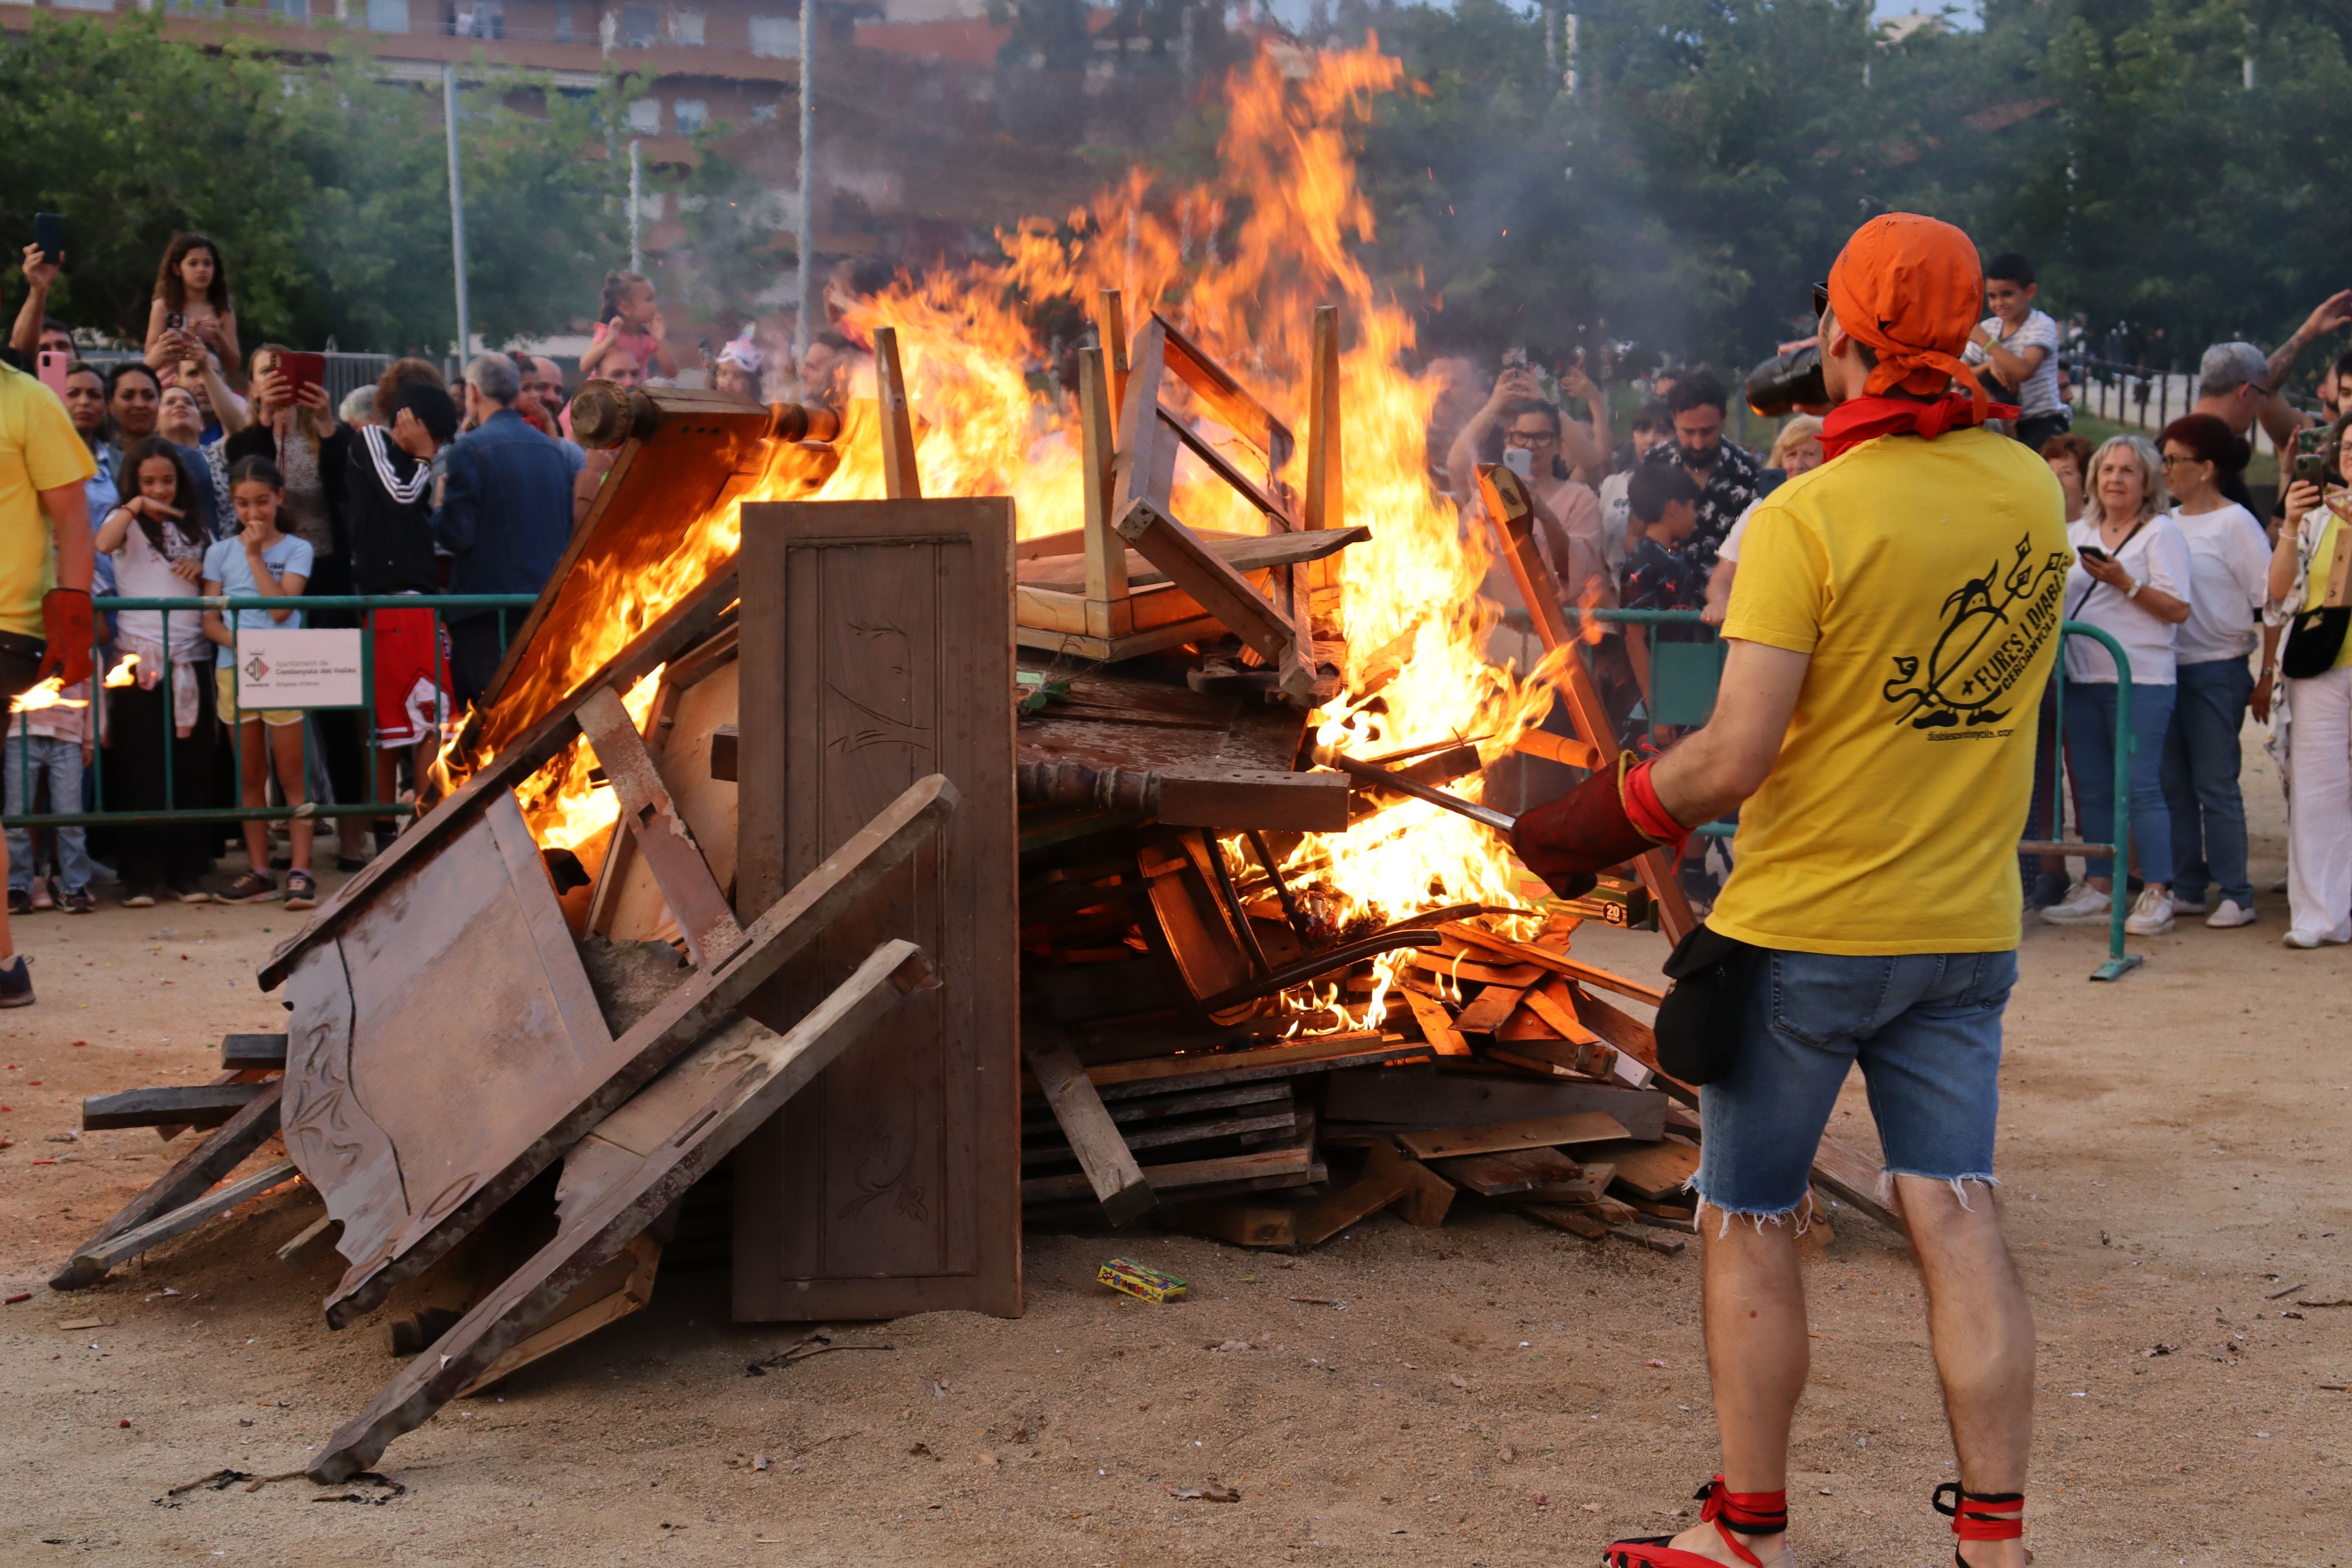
[(45, 560), (2310, 592), (1892, 628)]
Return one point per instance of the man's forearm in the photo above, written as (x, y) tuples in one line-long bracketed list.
[(25, 336), (69, 510)]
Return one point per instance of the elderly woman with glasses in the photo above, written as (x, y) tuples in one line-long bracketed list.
[(2131, 580)]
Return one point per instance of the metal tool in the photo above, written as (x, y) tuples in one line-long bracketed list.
[(1388, 778)]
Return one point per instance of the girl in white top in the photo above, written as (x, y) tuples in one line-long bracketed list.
[(2131, 580), (2229, 568)]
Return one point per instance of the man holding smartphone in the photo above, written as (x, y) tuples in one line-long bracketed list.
[(1873, 917)]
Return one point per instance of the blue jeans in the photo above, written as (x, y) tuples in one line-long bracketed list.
[(1925, 1026), (2200, 778), (59, 761), (2091, 763)]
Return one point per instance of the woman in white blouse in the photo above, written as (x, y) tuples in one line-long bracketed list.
[(2228, 569), (2130, 580)]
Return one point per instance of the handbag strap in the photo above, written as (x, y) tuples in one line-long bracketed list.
[(2116, 555)]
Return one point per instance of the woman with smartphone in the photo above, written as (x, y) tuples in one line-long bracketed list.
[(2130, 580), (2307, 696), (192, 296)]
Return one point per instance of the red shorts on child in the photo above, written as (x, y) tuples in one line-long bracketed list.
[(411, 677)]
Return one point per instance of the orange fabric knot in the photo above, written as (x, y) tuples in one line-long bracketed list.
[(1912, 287)]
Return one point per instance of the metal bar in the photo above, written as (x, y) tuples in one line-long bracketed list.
[(1388, 778), (458, 212)]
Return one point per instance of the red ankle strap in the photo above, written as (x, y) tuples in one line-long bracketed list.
[(1752, 1513), (1978, 1523)]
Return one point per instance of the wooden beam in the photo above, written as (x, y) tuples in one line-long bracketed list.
[(1224, 593), (94, 1260), (630, 1276), (1512, 511), (900, 480), (694, 898), (1227, 401), (1220, 465), (1427, 1194), (1183, 1173), (1102, 1152), (1106, 552), (222, 1152), (241, 1053), (1578, 1127), (1436, 1025), (768, 1070), (1326, 494), (1144, 465), (1155, 1075), (1110, 325), (188, 1105)]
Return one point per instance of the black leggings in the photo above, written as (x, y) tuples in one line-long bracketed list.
[(156, 854)]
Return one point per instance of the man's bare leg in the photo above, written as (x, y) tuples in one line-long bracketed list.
[(1982, 1328), (1758, 1355)]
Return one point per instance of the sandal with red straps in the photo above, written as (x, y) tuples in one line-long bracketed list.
[(1754, 1513), (1980, 1516)]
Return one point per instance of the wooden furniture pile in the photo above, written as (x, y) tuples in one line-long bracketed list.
[(945, 887)]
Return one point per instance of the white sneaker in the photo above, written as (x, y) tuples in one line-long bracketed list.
[(2152, 916), (2308, 939), (2230, 913), (2083, 905), (2188, 903)]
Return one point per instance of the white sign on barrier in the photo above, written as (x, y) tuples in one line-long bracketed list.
[(299, 667)]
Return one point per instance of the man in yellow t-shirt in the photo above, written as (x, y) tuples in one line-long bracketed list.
[(45, 617), (1892, 629)]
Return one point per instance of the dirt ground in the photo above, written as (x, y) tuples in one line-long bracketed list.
[(2174, 1149)]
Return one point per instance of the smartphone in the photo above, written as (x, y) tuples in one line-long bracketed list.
[(2091, 553), (176, 320), (301, 370), (49, 234), (2309, 466), (1520, 461), (53, 371)]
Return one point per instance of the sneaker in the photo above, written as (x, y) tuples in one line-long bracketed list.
[(190, 893), (2232, 913), (2152, 916), (20, 900), (301, 892), (252, 888), (139, 899), (2309, 939), (2083, 905), (2188, 903), (44, 897), (2048, 888), (15, 984), (81, 901)]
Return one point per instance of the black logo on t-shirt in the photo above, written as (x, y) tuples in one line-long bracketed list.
[(1994, 626)]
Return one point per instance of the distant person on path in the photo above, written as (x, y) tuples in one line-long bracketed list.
[(1727, 475), (192, 284), (505, 518), (2019, 344)]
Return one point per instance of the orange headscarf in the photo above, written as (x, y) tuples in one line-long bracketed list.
[(1912, 287)]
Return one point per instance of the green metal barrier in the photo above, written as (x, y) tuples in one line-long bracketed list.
[(508, 607), (1682, 680)]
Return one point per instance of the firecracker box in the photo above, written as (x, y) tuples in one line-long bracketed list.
[(1141, 1280)]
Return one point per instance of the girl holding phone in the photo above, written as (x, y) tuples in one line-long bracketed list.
[(193, 285)]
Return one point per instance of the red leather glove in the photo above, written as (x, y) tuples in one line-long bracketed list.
[(1605, 821), (65, 623)]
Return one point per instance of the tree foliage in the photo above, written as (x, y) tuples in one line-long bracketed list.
[(326, 188)]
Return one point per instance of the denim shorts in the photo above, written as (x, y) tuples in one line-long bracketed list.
[(1926, 1027)]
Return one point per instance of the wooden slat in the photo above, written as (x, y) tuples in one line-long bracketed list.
[(220, 1153), (1244, 552), (1409, 1098), (1853, 1177), (900, 480), (242, 1052), (575, 1319), (94, 1260), (1179, 1176), (1487, 1011), (1326, 471), (1436, 1025), (1556, 1003), (189, 1105), (1224, 593), (1558, 963), (771, 1068), (1542, 1172), (1581, 1127), (662, 836), (311, 1244), (1217, 463), (1106, 552), (1227, 400), (1145, 463), (1111, 328), (1370, 1193), (1428, 1196), (1122, 1081), (1102, 1152)]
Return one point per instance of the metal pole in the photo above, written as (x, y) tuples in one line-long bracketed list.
[(637, 204), (456, 211), (804, 229)]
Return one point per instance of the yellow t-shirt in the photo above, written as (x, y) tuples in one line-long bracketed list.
[(39, 450), (2322, 567), (1926, 579)]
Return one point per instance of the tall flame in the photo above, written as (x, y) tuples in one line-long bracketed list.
[(1238, 263)]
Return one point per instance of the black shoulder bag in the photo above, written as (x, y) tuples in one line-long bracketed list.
[(2316, 638), (1700, 1022)]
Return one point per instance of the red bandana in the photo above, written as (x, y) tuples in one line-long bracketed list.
[(1860, 419)]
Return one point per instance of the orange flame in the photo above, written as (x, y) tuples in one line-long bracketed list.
[(122, 674), (1239, 263), (45, 695)]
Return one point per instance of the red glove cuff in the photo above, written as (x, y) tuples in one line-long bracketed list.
[(1646, 812)]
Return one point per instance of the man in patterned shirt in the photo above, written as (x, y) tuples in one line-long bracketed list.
[(1727, 475)]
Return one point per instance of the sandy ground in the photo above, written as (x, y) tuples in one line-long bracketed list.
[(2173, 1146)]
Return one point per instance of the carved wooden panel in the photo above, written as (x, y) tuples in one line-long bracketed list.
[(630, 907), (876, 643), (436, 1036)]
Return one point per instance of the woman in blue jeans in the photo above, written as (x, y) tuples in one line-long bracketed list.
[(2229, 568), (2131, 580)]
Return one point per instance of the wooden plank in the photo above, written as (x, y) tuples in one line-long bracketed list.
[(1852, 1178), (1569, 1217), (92, 1261), (1106, 580), (1226, 399), (900, 479), (1436, 1025), (220, 1153), (877, 647), (1420, 1097), (1370, 1193), (1102, 1152), (1559, 963), (1178, 1176), (1544, 1173), (1578, 1127), (1456, 966), (1654, 1172), (497, 1118), (1110, 330), (1277, 1118), (1593, 1061), (1144, 465), (662, 835), (1248, 554), (1224, 593), (1428, 1196), (189, 1105), (1157, 1075), (311, 1244), (769, 1070), (1556, 1003), (623, 1285), (1326, 494), (1559, 749), (240, 1052), (1511, 511), (1217, 463), (1164, 1107), (1487, 1010)]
